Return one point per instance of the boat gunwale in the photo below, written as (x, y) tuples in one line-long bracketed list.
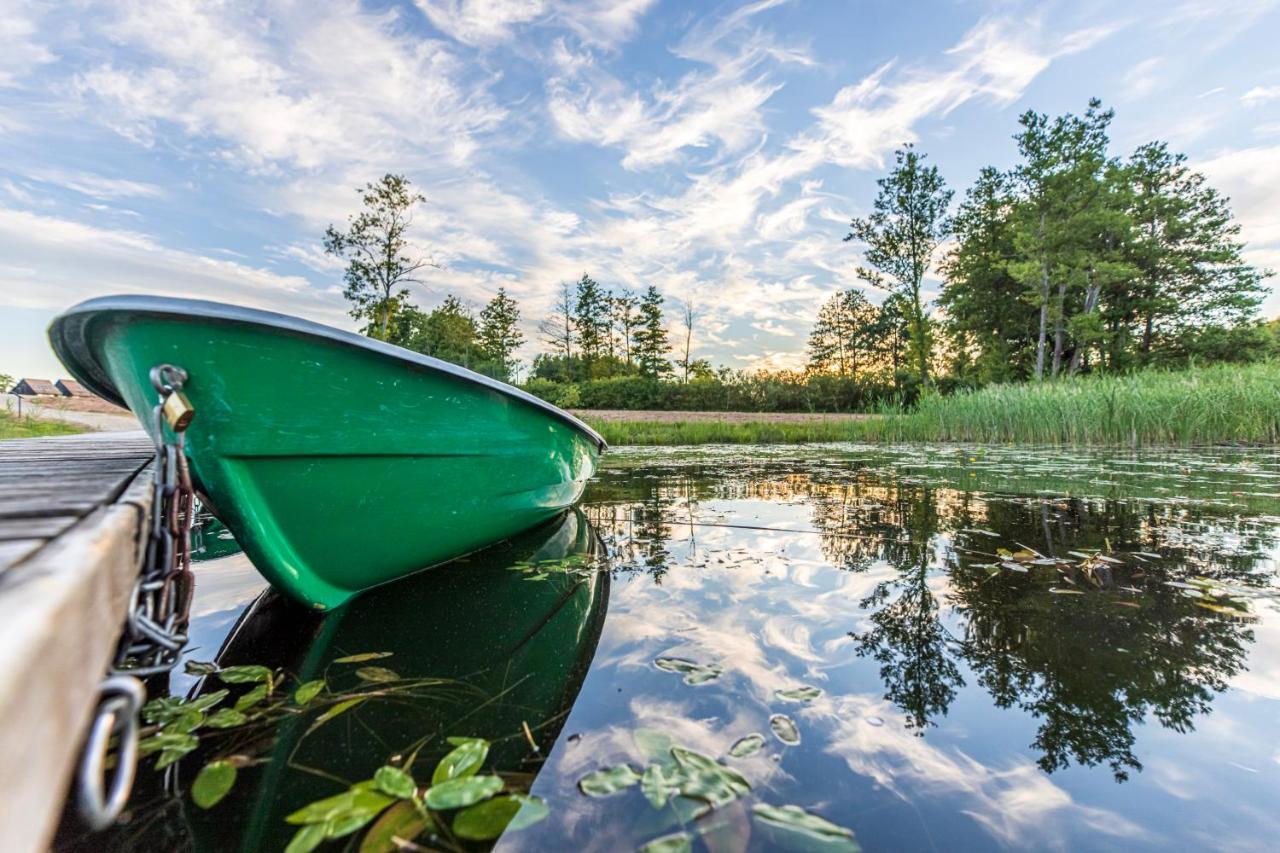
[(66, 335)]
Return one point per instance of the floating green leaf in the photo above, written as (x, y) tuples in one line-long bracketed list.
[(460, 793), (247, 674), (464, 760), (340, 708), (212, 783), (798, 694), (357, 800), (197, 667), (694, 673), (377, 674), (532, 810), (785, 729), (796, 819), (226, 718), (306, 839), (394, 782), (404, 821), (704, 778), (611, 780), (749, 745), (361, 658), (253, 697), (658, 783), (485, 821), (306, 692), (677, 842), (655, 745)]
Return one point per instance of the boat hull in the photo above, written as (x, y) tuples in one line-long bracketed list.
[(338, 465)]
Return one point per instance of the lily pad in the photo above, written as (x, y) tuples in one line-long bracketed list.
[(394, 782), (694, 673), (212, 783), (460, 793), (464, 760), (404, 821), (784, 728), (796, 819), (485, 821), (677, 842), (749, 745), (306, 692), (658, 783), (611, 780), (798, 694)]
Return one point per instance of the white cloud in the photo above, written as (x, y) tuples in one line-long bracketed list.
[(20, 49), (1259, 95), (51, 262), (603, 23), (96, 186), (271, 92), (716, 107), (1144, 78)]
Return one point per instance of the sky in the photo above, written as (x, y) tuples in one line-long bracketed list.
[(717, 151)]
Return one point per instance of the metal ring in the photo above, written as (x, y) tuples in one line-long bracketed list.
[(167, 378), (117, 714)]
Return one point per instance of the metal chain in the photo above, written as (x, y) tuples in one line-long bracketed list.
[(155, 630)]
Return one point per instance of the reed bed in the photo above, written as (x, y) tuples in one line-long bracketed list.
[(1220, 404)]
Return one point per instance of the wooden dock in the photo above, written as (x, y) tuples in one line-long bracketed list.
[(73, 519)]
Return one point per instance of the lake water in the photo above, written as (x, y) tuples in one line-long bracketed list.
[(938, 648)]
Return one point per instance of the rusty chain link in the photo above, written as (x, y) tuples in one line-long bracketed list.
[(155, 630)]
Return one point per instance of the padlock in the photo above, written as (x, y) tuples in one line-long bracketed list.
[(178, 411)]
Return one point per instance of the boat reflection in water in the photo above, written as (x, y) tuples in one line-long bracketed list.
[(495, 653)]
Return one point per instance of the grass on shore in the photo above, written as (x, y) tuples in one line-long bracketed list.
[(12, 426), (1221, 404)]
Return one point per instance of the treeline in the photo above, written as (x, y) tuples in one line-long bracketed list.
[(1075, 260)]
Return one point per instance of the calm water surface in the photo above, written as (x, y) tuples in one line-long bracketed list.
[(1014, 649)]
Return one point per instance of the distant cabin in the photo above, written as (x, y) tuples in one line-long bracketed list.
[(72, 388), (35, 388)]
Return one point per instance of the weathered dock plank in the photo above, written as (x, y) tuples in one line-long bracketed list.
[(73, 513)]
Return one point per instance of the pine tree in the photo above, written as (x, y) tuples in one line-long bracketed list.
[(591, 320), (498, 335), (626, 320), (651, 345), (906, 224)]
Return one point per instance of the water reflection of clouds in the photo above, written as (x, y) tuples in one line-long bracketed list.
[(1018, 805)]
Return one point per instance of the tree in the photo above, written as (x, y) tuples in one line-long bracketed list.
[(905, 227), (627, 320), (688, 314), (844, 336), (591, 320), (380, 259), (447, 332), (557, 327), (981, 298), (499, 333), (651, 345), (1188, 269)]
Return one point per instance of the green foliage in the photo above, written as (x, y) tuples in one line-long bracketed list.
[(380, 259), (12, 426), (592, 322), (651, 344), (907, 223), (1076, 260), (498, 333)]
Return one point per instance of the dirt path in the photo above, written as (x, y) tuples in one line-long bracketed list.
[(90, 412), (729, 417)]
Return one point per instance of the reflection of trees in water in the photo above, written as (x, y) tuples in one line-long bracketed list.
[(1087, 668)]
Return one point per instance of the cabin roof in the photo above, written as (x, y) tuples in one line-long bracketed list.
[(34, 387), (72, 388)]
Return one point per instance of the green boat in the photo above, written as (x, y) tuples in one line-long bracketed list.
[(337, 461)]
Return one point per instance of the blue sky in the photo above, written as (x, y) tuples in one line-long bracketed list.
[(715, 150)]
